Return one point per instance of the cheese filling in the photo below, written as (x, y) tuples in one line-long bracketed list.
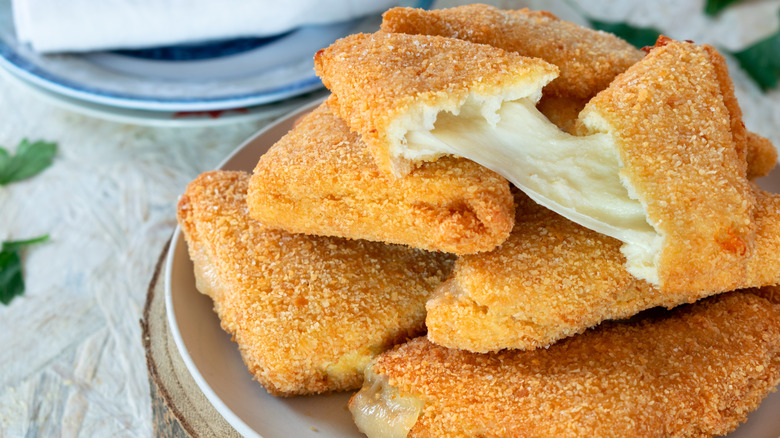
[(350, 363), (576, 176), (381, 411)]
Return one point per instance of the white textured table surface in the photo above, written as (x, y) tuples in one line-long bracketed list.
[(71, 360)]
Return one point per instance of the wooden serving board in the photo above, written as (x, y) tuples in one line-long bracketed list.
[(179, 408)]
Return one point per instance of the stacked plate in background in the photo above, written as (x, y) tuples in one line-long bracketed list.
[(194, 85)]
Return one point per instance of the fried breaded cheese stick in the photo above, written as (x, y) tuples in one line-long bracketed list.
[(588, 59), (308, 313), (695, 371), (320, 179), (661, 164), (697, 128), (553, 278)]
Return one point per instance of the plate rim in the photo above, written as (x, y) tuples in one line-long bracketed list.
[(12, 60), (168, 119), (234, 420)]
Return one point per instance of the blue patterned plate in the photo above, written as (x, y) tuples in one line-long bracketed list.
[(215, 76)]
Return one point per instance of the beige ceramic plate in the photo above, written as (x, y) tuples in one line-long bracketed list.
[(215, 364)]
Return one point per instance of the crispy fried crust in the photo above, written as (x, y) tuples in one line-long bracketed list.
[(739, 134), (695, 371), (308, 313), (761, 156), (771, 293), (562, 111), (320, 179), (553, 278), (764, 268), (378, 79), (676, 130), (588, 59)]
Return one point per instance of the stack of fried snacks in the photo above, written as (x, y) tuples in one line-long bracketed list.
[(571, 180), (661, 165), (680, 220), (308, 313)]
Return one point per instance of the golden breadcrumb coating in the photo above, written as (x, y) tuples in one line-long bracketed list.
[(763, 268), (739, 134), (761, 156), (562, 111), (588, 59), (693, 372), (308, 313), (553, 278), (674, 124), (381, 80), (771, 293), (320, 179)]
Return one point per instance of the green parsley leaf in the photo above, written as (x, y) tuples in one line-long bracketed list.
[(14, 245), (29, 160), (11, 279), (636, 36), (762, 61), (714, 7)]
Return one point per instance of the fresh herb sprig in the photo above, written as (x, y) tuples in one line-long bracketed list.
[(715, 7), (30, 159), (761, 61), (636, 36), (11, 278)]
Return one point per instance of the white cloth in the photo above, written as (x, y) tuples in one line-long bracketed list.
[(84, 25)]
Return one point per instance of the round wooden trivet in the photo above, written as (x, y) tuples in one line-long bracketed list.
[(179, 408)]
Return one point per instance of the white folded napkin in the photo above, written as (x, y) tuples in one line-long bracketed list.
[(85, 25)]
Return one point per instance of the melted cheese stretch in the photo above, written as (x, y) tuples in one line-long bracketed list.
[(381, 411), (577, 177)]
